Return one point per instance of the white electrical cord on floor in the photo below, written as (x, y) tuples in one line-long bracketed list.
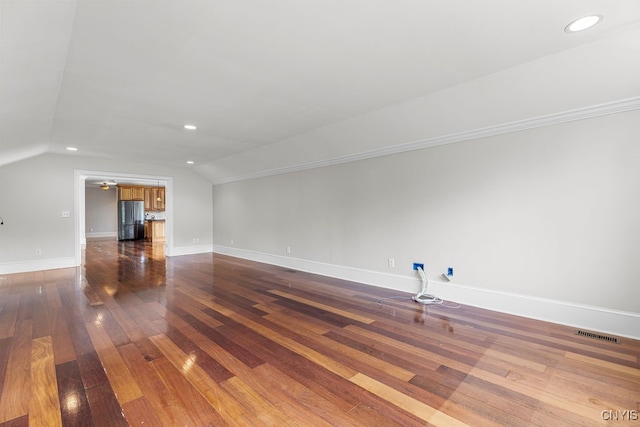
[(423, 297)]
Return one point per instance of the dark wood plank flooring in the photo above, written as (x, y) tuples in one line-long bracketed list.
[(134, 339)]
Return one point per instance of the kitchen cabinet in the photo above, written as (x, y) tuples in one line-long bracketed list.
[(137, 193), (125, 193), (151, 196), (130, 193), (159, 199), (148, 201), (155, 230)]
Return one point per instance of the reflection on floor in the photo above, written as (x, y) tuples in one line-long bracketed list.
[(140, 265), (133, 339)]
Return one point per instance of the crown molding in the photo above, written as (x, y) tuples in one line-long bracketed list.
[(615, 107)]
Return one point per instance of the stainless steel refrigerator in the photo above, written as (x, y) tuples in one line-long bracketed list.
[(130, 220)]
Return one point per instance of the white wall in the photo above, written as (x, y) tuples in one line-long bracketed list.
[(35, 191), (543, 214), (536, 211), (101, 212)]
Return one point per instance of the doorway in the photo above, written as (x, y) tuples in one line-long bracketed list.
[(82, 177)]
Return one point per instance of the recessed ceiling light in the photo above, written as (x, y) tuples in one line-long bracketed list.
[(583, 23), (190, 162), (72, 149), (190, 127)]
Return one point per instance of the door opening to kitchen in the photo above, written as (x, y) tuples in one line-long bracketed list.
[(125, 221)]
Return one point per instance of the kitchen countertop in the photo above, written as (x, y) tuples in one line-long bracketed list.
[(154, 219)]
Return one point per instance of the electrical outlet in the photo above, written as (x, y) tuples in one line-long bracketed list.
[(196, 240), (417, 265), (66, 214), (38, 251), (392, 263), (450, 271), (288, 249)]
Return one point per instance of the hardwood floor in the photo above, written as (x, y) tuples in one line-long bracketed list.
[(212, 340)]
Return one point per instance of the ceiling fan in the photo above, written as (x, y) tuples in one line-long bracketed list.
[(105, 185)]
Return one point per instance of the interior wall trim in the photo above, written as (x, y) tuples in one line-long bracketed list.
[(600, 319), (593, 111), (96, 234), (191, 250), (37, 265), (70, 262)]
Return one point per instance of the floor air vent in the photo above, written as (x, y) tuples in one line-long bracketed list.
[(598, 336)]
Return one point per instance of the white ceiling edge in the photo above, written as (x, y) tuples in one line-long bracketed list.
[(22, 154), (586, 79), (516, 126)]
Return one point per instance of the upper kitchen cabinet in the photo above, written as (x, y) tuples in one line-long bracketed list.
[(130, 193), (154, 198), (148, 201), (159, 200)]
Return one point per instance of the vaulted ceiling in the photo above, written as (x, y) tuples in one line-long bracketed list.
[(119, 79)]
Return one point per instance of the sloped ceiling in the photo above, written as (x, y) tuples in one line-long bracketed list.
[(118, 78)]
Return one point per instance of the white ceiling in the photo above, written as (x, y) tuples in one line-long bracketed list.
[(120, 78)]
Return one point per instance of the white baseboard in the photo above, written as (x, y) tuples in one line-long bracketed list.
[(102, 234), (615, 322), (601, 319), (36, 265), (190, 250)]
